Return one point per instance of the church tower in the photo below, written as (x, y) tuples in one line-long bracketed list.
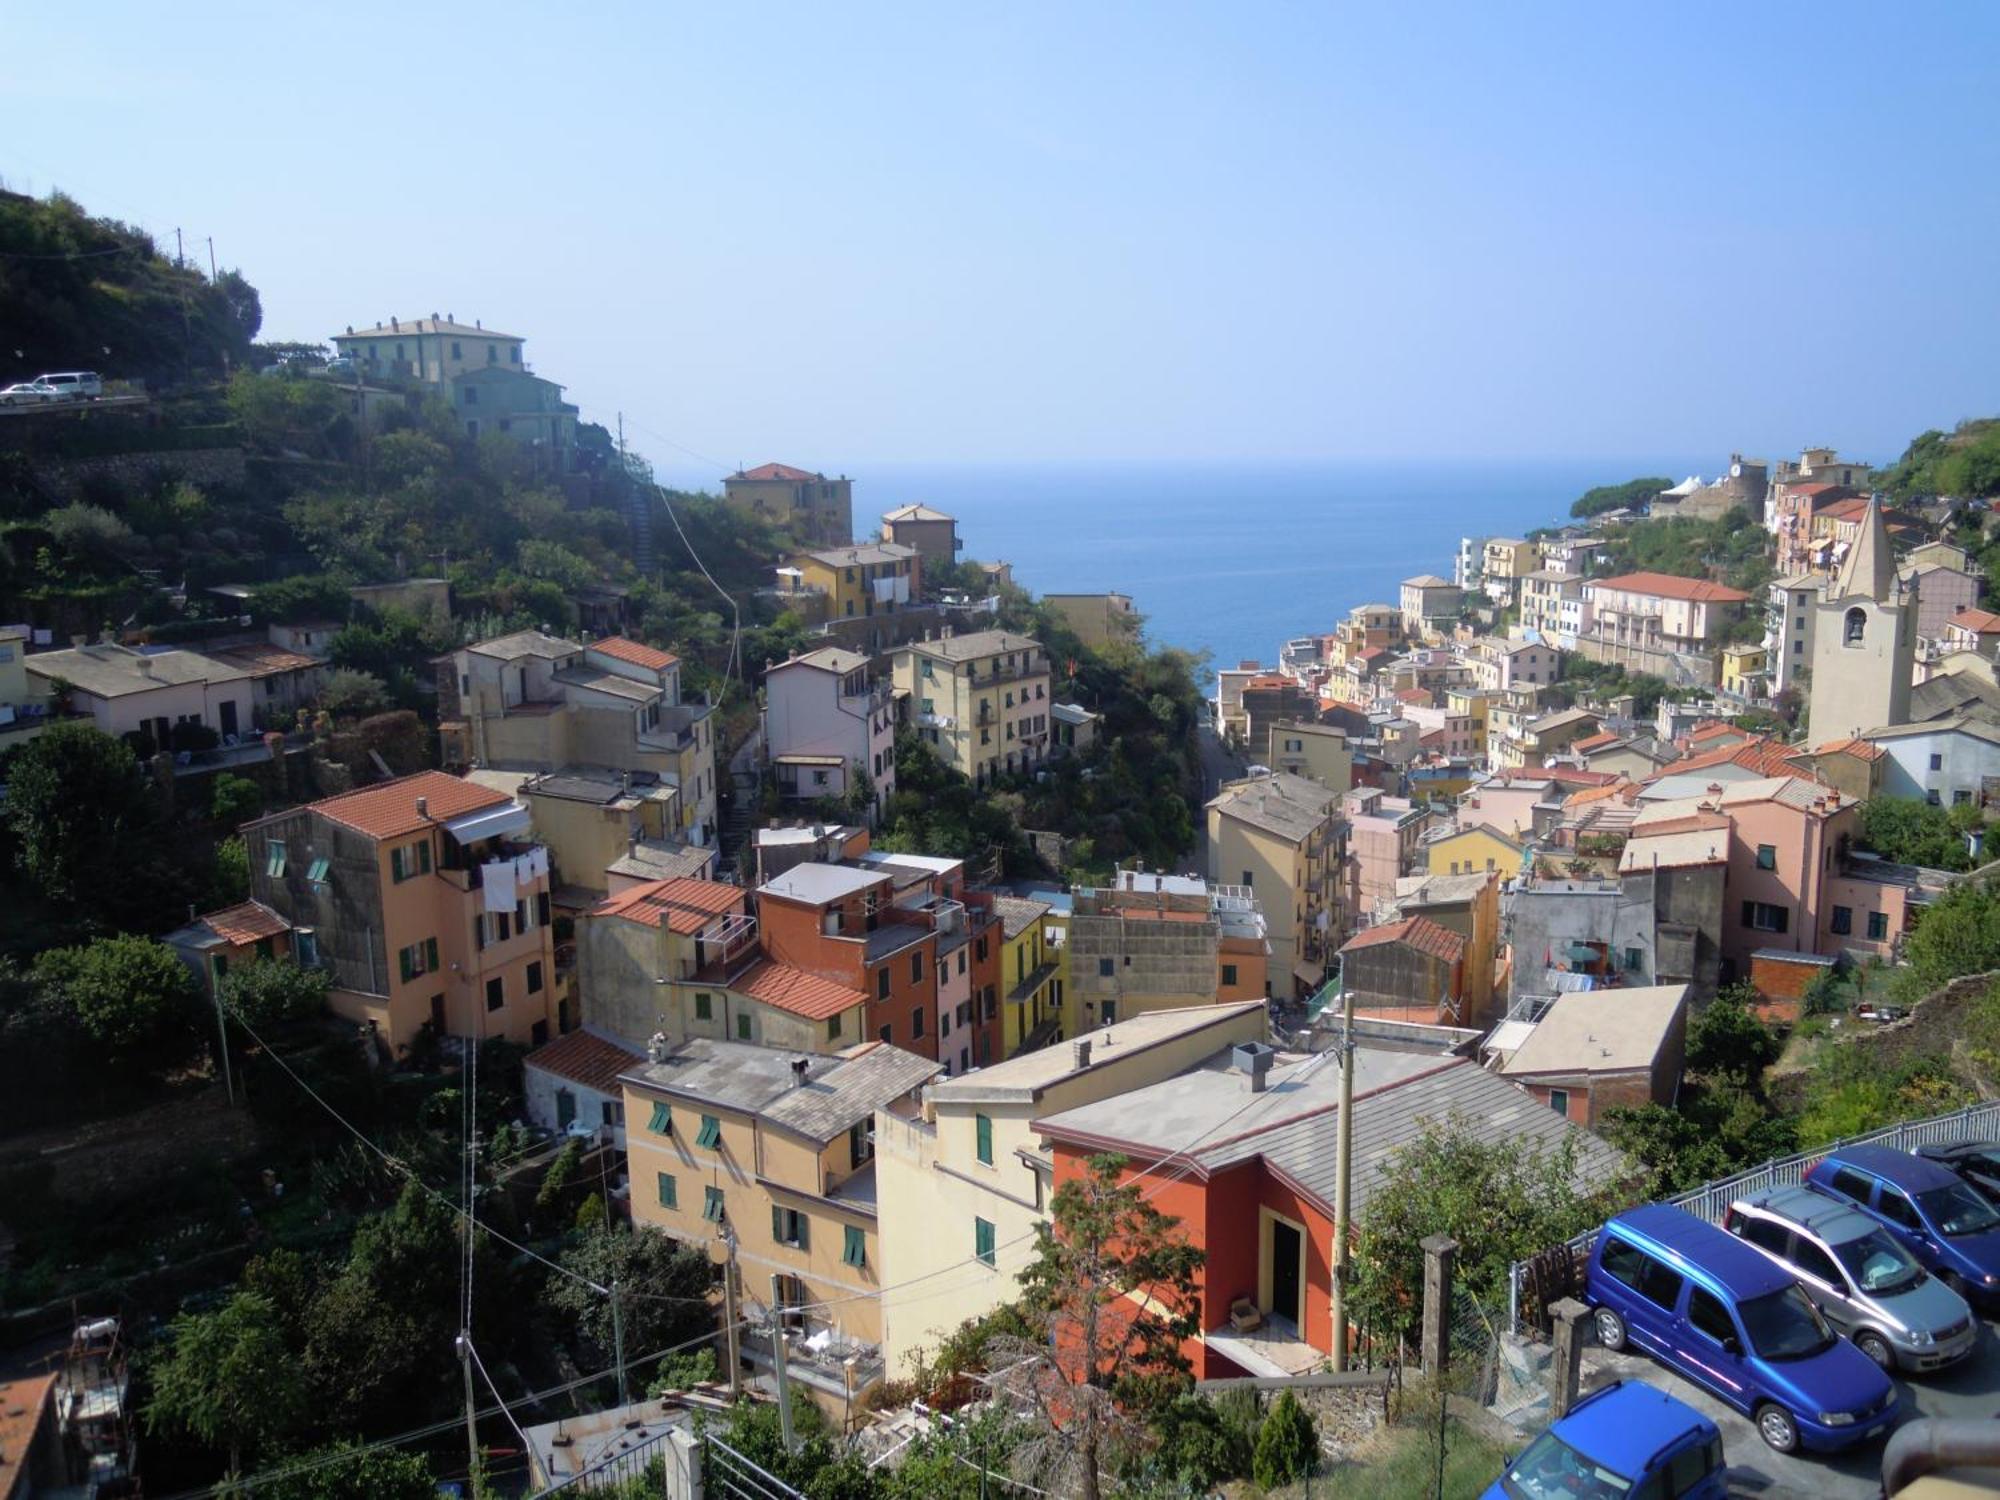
[(1865, 641)]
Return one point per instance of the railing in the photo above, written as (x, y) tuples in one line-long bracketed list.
[(727, 1472), (1711, 1200)]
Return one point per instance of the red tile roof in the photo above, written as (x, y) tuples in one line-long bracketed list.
[(390, 810), (1667, 586), (1819, 487), (617, 647), (1859, 749), (22, 1404), (1979, 621), (797, 991), (1420, 933), (1268, 680), (773, 471), (1597, 741), (1571, 776), (1851, 509), (585, 1058), (686, 905), (245, 923), (262, 659), (1764, 756), (1708, 729)]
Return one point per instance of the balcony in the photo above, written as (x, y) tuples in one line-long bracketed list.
[(1036, 668), (1028, 987)]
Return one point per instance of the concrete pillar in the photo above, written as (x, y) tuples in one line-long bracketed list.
[(1569, 1317), (1439, 1251), (681, 1455)]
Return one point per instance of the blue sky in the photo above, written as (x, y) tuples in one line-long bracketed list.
[(843, 234)]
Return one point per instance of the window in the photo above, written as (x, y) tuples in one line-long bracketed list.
[(944, 1024), (274, 858), (1856, 626), (1896, 1208), (861, 1142), (1110, 1009), (1634, 960), (1937, 762), (788, 1227), (1559, 1101), (662, 1122), (1812, 1260), (916, 968), (1638, 1270), (1105, 968), (882, 984), (305, 947), (1766, 1234), (1249, 877), (710, 1134), (1960, 797), (513, 353), (833, 1027), (417, 959), (703, 1006), (853, 1247), (917, 1022), (711, 1204), (982, 1135), (318, 870), (1767, 856), (743, 1026), (1229, 973), (1850, 1183), (1708, 1316), (1761, 916), (670, 1196), (535, 978), (496, 993), (1878, 926), (1843, 920), (982, 1241)]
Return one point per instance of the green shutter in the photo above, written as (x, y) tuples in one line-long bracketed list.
[(669, 1192), (701, 1004), (854, 1247), (396, 866), (711, 1205), (984, 1129), (743, 1026), (711, 1133), (430, 955), (406, 962), (777, 1224), (424, 857), (804, 1226), (982, 1241), (662, 1122)]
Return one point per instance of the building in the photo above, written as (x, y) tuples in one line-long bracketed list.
[(1280, 836), (431, 350), (148, 691), (829, 727), (1534, 742), (1410, 969), (1951, 762), (1468, 906), (1241, 1152), (1229, 683), (810, 506), (571, 1085), (1864, 652), (981, 701), (1659, 624), (1572, 556), (1499, 665), (24, 701), (592, 819), (1941, 593), (1793, 614), (222, 940), (1032, 972), (1974, 630), (852, 583), (1430, 604), (1552, 605), (1073, 728), (536, 702), (1153, 942), (1594, 1050), (525, 409), (1746, 672), (766, 1160), (1853, 767), (964, 1183), (1099, 620), (423, 902), (1472, 849), (1503, 561), (1383, 835), (932, 533), (1317, 752), (33, 1462)]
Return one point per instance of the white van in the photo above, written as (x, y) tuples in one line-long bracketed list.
[(73, 385)]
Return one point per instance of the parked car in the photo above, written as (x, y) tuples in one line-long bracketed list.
[(1723, 1315), (338, 369), (1881, 1015), (1947, 1226), (73, 385), (28, 393), (1626, 1439), (1855, 1271), (1976, 1162)]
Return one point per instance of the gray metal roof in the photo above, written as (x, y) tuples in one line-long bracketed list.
[(816, 884), (979, 644), (1281, 803), (526, 643), (838, 1092)]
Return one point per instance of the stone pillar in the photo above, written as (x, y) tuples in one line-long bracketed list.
[(681, 1460), (1569, 1317), (1439, 1251)]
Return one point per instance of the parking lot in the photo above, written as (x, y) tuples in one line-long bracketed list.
[(1969, 1389)]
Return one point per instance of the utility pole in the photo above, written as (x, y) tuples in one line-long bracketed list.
[(1343, 1177), (778, 1362), (471, 1410), (179, 262), (618, 1340), (729, 1312), (211, 258), (222, 1036)]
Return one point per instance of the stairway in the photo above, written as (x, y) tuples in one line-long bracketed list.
[(639, 516)]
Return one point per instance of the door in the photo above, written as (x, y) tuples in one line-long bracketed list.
[(1286, 1245), (437, 1014), (228, 710), (1712, 1348), (565, 1109)]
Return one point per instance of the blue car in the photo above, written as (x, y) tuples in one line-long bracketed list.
[(1940, 1219), (1627, 1439), (1709, 1307)]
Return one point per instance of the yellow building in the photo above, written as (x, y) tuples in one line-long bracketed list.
[(1472, 850), (1470, 703), (23, 703), (1318, 752), (810, 506), (981, 701), (851, 583), (593, 819), (1097, 619), (1032, 975), (961, 1186), (1743, 671), (1280, 835), (776, 1151), (929, 530)]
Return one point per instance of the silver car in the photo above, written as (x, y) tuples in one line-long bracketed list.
[(1867, 1284)]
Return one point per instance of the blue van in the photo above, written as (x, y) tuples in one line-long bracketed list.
[(1626, 1439), (1943, 1221), (1709, 1307)]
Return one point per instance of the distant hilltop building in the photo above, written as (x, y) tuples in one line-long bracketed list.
[(931, 532), (1097, 619), (432, 349), (811, 506)]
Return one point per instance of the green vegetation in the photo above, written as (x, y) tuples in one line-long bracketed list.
[(1964, 462), (1915, 833), (272, 991), (663, 1289), (1958, 934), (130, 995), (1287, 1445), (1603, 681), (1732, 549), (1633, 492)]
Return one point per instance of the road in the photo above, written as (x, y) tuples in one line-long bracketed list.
[(48, 408), (1970, 1389)]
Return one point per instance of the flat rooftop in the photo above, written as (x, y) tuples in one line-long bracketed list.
[(817, 884), (1023, 1077)]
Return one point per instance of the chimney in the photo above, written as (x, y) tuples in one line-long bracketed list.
[(1081, 1049), (394, 325), (350, 328), (799, 1068), (1253, 1060), (423, 807), (656, 1047), (145, 665)]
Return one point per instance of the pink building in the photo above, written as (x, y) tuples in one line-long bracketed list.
[(826, 725), (1382, 840)]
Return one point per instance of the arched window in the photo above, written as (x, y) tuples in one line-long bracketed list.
[(1857, 626)]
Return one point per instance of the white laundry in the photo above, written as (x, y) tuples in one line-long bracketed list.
[(497, 885)]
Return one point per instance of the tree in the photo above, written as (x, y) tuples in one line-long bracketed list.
[(1957, 934), (267, 991), (127, 993), (87, 826), (1915, 833), (663, 1289), (234, 800), (1634, 492), (341, 1471), (349, 692), (1287, 1445), (1727, 1041), (1103, 1358), (229, 1379)]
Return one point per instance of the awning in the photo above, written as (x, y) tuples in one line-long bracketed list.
[(489, 823)]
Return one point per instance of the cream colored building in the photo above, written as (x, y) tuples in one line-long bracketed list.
[(961, 1185), (809, 505), (981, 701), (933, 533), (432, 350), (1097, 619), (1430, 604), (592, 819), (1317, 752), (1280, 835), (1864, 640)]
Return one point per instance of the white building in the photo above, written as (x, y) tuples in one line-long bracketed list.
[(571, 1085), (149, 690), (1946, 762), (822, 719), (1788, 639), (432, 349)]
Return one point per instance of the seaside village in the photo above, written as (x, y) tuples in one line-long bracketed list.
[(1482, 853)]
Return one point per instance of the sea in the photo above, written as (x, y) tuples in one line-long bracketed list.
[(1235, 560)]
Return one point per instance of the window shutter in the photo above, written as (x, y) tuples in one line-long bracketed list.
[(430, 955), (396, 865), (406, 963), (983, 1125), (424, 857), (777, 1224), (479, 930), (662, 1122), (853, 1250), (669, 1192)]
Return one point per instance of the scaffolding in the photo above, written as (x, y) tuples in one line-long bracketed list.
[(93, 1396)]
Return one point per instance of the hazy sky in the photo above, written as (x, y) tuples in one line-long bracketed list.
[(843, 233)]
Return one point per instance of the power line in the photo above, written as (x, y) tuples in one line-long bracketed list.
[(72, 255)]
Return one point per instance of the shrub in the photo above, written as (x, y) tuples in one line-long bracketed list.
[(1287, 1445)]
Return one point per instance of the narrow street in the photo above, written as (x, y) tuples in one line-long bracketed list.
[(1218, 764)]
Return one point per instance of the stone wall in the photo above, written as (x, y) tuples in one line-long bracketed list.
[(65, 477)]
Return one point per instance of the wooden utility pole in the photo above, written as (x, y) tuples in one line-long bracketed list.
[(1439, 1251), (778, 1363), (1343, 1180), (729, 1313), (211, 258)]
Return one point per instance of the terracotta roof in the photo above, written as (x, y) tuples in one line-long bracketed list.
[(1667, 586), (1858, 748), (1414, 695), (1571, 776), (795, 990), (1601, 793), (1708, 729), (1268, 680), (773, 471), (685, 904), (262, 659), (1817, 488), (1979, 621), (389, 810), (22, 1404), (1420, 933), (246, 922), (620, 649), (584, 1057), (1762, 755), (1597, 741)]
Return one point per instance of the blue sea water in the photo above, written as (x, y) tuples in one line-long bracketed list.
[(1235, 560)]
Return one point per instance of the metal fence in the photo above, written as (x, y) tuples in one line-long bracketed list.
[(1711, 1200), (728, 1475)]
